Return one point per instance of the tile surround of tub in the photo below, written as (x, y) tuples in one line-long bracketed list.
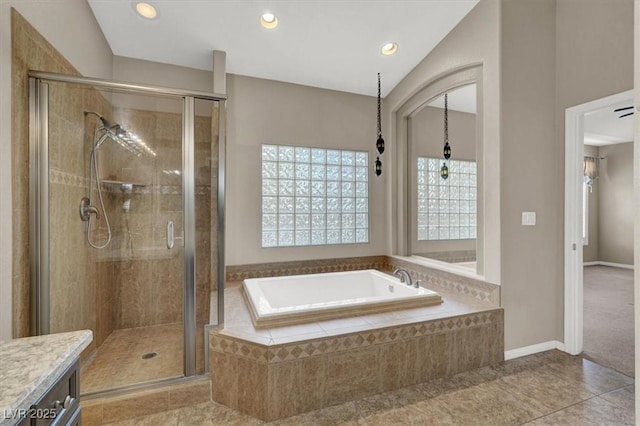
[(439, 280), (279, 269), (317, 366), (323, 371), (317, 361)]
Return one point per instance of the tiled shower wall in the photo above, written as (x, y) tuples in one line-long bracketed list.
[(31, 51), (150, 275), (82, 290)]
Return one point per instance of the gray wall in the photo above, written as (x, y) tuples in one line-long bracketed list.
[(615, 202), (90, 54), (149, 72), (264, 111), (586, 37), (554, 55), (475, 40), (427, 133), (590, 36), (550, 55), (531, 173)]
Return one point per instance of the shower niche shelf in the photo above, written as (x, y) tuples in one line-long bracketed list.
[(123, 184)]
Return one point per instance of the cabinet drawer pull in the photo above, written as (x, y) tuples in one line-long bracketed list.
[(60, 405)]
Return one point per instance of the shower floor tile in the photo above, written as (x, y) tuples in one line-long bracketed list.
[(119, 360)]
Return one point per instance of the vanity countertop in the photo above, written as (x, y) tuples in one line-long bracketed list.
[(29, 366)]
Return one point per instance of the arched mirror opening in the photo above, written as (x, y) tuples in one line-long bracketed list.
[(443, 178)]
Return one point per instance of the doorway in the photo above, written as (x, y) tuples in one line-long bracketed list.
[(575, 132)]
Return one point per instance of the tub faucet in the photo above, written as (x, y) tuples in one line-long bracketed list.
[(403, 275)]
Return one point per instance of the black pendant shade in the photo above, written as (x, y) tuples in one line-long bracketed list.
[(380, 144), (380, 141), (444, 171), (446, 151)]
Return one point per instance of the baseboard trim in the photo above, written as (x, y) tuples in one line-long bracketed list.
[(533, 349), (612, 264)]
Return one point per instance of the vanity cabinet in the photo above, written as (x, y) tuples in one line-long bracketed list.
[(40, 379), (60, 405)]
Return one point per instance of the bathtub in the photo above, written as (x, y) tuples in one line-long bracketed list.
[(297, 299)]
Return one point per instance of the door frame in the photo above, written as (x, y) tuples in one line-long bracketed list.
[(573, 181)]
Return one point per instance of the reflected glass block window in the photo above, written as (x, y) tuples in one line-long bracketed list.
[(314, 196), (446, 207)]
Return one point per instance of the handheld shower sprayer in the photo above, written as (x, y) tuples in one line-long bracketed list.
[(125, 139), (86, 209)]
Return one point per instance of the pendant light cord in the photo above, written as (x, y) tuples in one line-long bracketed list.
[(446, 120), (379, 109)]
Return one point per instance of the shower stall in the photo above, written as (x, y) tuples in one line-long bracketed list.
[(127, 225)]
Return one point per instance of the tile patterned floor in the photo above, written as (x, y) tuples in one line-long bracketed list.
[(550, 388), (118, 362)]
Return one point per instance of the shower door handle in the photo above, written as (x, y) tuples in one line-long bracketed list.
[(170, 236)]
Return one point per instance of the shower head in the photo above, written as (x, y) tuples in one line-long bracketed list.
[(120, 135), (119, 131)]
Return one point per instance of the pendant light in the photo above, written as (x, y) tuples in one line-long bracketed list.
[(378, 166), (380, 141), (444, 171)]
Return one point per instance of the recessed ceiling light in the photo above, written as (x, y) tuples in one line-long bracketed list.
[(146, 10), (269, 20), (389, 48)]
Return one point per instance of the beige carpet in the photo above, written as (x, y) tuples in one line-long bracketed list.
[(608, 317)]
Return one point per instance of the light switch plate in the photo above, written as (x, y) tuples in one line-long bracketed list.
[(528, 218)]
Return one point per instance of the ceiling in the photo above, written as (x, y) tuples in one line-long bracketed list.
[(321, 43), (605, 127)]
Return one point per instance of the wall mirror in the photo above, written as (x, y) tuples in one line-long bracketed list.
[(441, 221), (444, 210)]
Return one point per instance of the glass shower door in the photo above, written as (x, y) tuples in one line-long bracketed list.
[(116, 255)]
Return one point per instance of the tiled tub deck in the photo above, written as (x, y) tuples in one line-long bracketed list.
[(282, 371)]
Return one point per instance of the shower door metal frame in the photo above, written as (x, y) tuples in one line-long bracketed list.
[(39, 200)]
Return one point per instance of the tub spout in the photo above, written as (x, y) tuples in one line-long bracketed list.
[(403, 275)]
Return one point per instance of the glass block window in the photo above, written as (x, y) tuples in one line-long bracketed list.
[(446, 207), (314, 196)]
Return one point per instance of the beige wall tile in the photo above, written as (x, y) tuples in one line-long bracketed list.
[(284, 387), (136, 406), (313, 373), (190, 394), (398, 364), (224, 378), (352, 374), (252, 388)]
